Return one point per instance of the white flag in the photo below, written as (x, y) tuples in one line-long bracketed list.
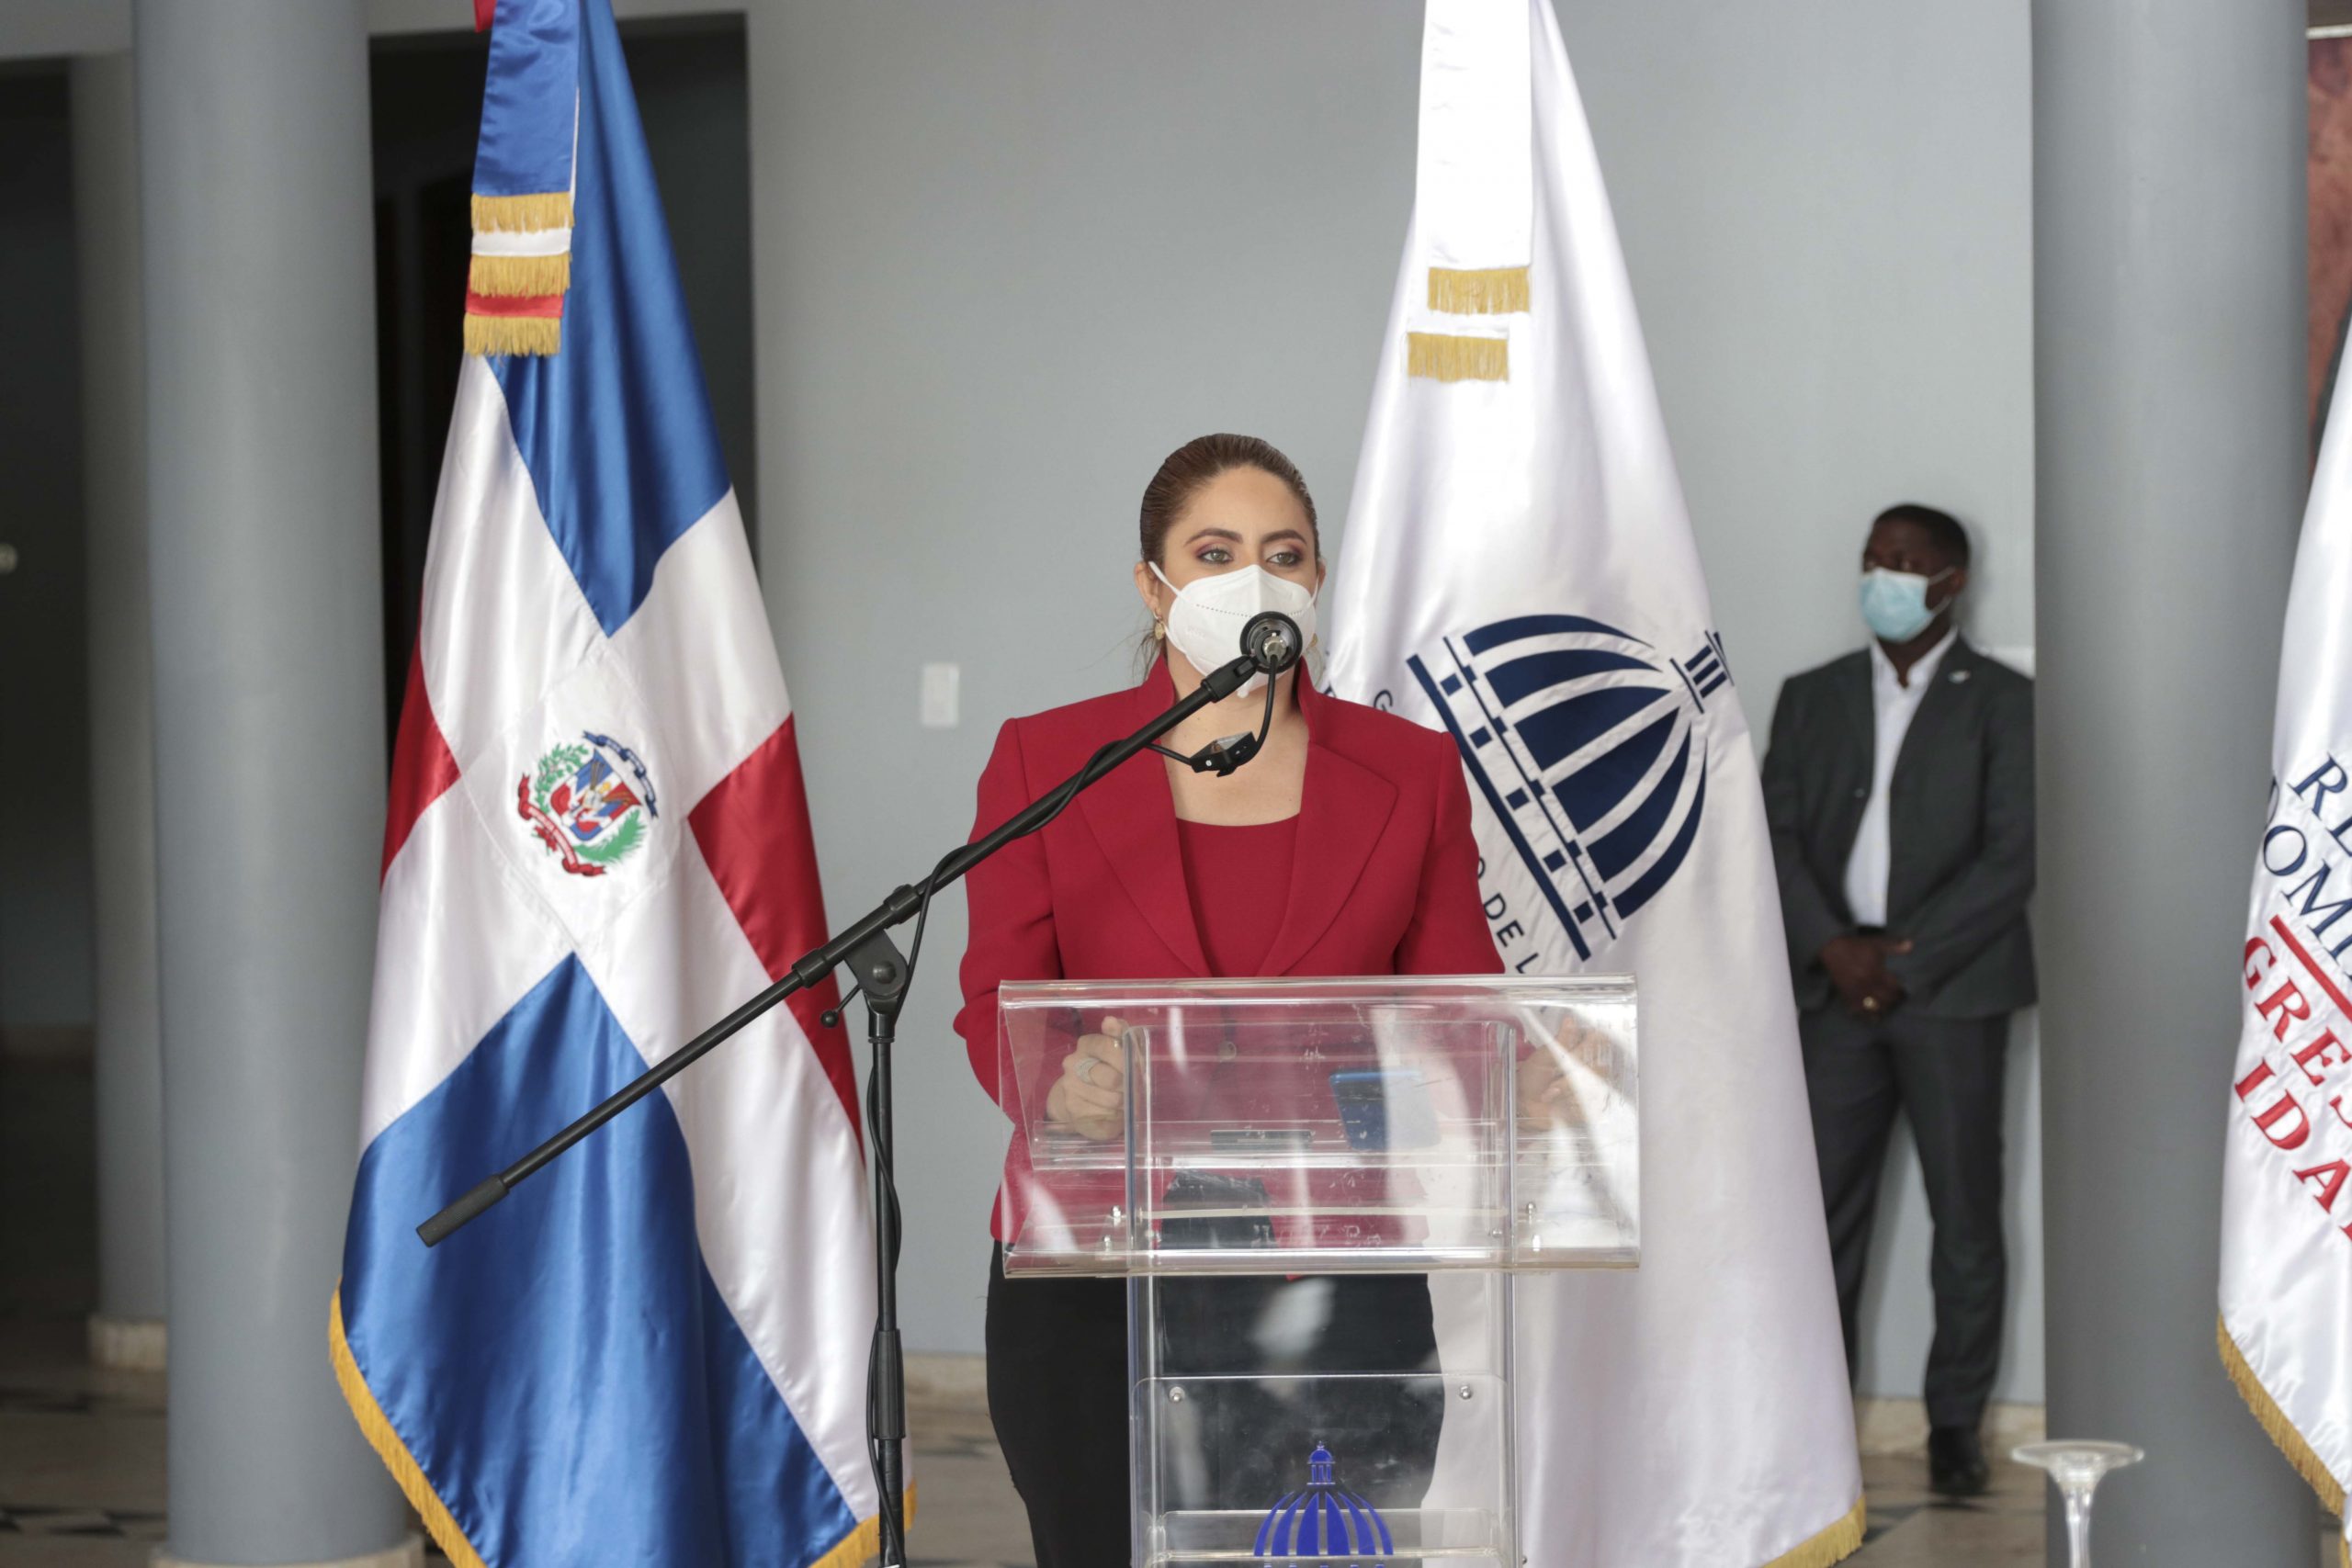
[(1518, 567), (2285, 1329)]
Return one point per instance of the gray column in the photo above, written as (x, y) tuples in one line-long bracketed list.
[(256, 223), (2168, 315), (127, 1330)]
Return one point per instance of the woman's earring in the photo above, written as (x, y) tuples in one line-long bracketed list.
[(1159, 631)]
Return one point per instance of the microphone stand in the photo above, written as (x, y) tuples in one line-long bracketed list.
[(883, 974)]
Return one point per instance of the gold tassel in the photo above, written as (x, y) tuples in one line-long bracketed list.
[(550, 209), (863, 1544), (378, 1429), (1439, 356), (520, 275), (1488, 291), (2274, 1421), (512, 335), (859, 1547), (1834, 1544)]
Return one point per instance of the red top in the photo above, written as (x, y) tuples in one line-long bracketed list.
[(1383, 875), (1240, 878)]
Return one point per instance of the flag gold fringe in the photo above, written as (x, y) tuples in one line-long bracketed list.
[(512, 335), (1834, 1544), (377, 1427), (550, 209), (2274, 1421), (1488, 291), (1441, 356), (520, 275), (861, 1546)]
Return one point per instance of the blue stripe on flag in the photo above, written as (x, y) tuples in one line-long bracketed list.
[(616, 428), (563, 1369), (525, 144)]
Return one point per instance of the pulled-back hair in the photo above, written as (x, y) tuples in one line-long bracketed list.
[(1186, 470)]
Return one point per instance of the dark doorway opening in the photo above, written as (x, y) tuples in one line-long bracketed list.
[(693, 95)]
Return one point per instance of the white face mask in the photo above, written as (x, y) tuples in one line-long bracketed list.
[(1205, 620)]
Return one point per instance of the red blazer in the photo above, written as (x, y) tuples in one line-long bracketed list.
[(1384, 878)]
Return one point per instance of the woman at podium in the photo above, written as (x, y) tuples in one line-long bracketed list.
[(1343, 848)]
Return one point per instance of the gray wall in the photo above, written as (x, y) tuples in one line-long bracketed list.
[(1007, 255), (1826, 211)]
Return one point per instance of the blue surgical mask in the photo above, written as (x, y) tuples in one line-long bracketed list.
[(1894, 604)]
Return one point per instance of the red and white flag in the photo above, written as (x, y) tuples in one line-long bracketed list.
[(654, 1351), (2286, 1324)]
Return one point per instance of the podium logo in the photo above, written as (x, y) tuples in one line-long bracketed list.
[(590, 801), (1324, 1520), (1589, 747)]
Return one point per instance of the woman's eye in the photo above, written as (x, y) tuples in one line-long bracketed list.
[(1216, 554), (1285, 557)]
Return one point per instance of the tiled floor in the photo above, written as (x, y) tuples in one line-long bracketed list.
[(82, 1479), (966, 1499)]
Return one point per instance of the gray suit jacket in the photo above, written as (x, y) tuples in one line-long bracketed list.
[(1960, 829)]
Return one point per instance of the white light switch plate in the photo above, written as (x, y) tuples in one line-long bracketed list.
[(941, 684)]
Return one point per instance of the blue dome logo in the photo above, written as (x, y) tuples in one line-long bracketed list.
[(1590, 748), (1323, 1520)]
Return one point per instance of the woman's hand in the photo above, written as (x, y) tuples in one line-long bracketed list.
[(1091, 1094), (1544, 1096)]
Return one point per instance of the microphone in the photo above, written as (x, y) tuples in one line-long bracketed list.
[(1271, 641)]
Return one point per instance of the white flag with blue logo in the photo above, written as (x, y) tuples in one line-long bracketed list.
[(654, 1351), (1519, 569)]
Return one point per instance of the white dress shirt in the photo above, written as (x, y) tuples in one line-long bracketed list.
[(1892, 706)]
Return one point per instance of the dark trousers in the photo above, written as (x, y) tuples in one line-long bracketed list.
[(1944, 1074), (1058, 1394)]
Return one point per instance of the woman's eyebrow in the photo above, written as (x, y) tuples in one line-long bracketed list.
[(1213, 533)]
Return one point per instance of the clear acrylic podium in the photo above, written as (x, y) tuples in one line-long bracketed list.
[(1320, 1192)]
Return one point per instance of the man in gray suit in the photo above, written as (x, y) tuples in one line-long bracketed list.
[(1899, 788)]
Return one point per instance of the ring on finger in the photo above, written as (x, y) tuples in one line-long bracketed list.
[(1086, 1073)]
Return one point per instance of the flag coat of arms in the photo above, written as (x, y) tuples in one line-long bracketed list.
[(2286, 1307), (1518, 570), (598, 844)]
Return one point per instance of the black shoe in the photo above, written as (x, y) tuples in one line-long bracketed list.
[(1956, 1465)]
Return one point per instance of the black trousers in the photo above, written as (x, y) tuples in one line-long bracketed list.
[(1058, 1395), (1944, 1074)]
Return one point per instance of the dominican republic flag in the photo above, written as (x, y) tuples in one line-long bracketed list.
[(2286, 1295), (1518, 570), (598, 843)]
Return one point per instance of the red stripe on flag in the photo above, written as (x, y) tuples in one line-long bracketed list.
[(2311, 965), (549, 307), (422, 764), (754, 833)]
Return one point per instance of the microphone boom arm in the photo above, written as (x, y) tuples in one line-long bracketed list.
[(812, 967)]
